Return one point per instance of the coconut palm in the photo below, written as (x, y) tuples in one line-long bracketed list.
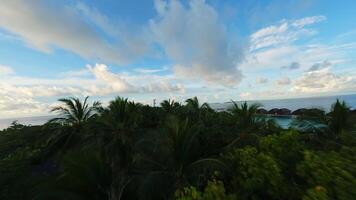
[(65, 129), (339, 117), (74, 112), (120, 116), (84, 175), (176, 161), (117, 125), (169, 106), (194, 104), (245, 115), (317, 121), (312, 120), (195, 110)]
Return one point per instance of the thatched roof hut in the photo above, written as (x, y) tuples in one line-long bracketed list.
[(262, 111)]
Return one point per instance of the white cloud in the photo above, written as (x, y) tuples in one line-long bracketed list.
[(283, 81), (17, 102), (324, 81), (259, 95), (5, 70), (196, 41), (261, 80), (22, 96), (271, 30), (292, 66), (319, 66), (132, 42), (151, 70), (283, 33), (109, 82), (44, 25), (271, 57), (114, 81), (308, 20)]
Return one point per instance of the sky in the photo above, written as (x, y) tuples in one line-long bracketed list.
[(170, 49)]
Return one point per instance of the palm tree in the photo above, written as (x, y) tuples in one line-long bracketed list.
[(169, 106), (117, 124), (245, 115), (195, 110), (339, 117), (84, 175), (176, 160), (312, 120), (317, 121), (74, 112), (73, 115), (193, 103)]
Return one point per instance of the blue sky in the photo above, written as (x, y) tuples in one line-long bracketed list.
[(144, 50)]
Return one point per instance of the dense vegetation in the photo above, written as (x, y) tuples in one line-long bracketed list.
[(179, 151)]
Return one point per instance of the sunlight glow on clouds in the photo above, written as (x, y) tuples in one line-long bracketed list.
[(324, 80), (5, 70), (181, 49), (103, 82)]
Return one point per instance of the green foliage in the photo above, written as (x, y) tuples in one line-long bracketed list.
[(130, 151), (286, 148), (334, 171), (245, 115), (317, 193), (84, 175), (214, 190), (311, 121), (255, 174), (339, 117), (74, 112), (317, 121)]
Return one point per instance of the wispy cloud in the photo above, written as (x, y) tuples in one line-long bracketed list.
[(292, 66), (261, 80), (300, 23), (151, 70), (319, 66), (5, 70), (283, 33), (45, 26), (284, 81)]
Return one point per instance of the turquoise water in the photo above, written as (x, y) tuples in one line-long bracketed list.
[(292, 104), (284, 122), (313, 102)]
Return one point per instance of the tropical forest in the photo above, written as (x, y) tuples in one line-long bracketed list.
[(179, 150)]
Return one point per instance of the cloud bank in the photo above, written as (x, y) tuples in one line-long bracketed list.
[(45, 26), (196, 41)]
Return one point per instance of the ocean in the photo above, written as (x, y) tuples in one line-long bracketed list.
[(292, 104), (4, 123)]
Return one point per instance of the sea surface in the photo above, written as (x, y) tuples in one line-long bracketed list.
[(292, 104), (323, 103), (4, 123)]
